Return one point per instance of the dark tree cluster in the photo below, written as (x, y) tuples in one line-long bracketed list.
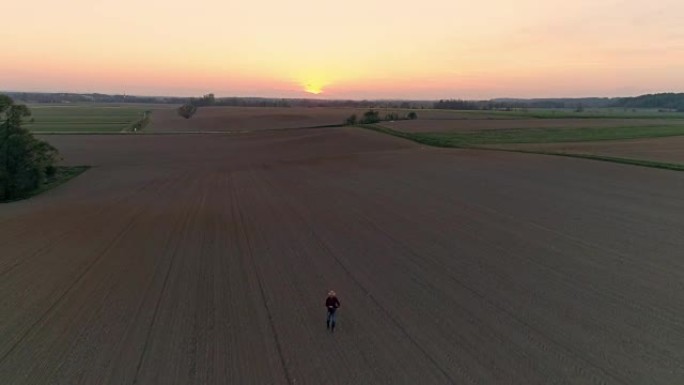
[(204, 101), (456, 104), (516, 104), (665, 101), (66, 98), (187, 110), (25, 162), (351, 120), (251, 102), (372, 116)]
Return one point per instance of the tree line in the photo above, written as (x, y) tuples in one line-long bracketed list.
[(373, 116), (25, 162), (232, 101), (667, 101), (664, 101)]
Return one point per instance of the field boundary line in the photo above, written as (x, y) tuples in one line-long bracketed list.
[(613, 159), (435, 142), (138, 125)]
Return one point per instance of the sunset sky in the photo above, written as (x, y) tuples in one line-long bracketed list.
[(346, 49)]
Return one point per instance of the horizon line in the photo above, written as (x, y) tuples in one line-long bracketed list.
[(339, 99)]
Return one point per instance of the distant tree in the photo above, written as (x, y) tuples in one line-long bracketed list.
[(391, 117), (456, 104), (206, 100), (25, 161), (412, 115), (370, 117), (187, 110), (405, 105), (580, 108), (351, 120)]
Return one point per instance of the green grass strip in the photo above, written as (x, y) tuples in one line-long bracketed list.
[(635, 162), (440, 142), (541, 113), (139, 124), (534, 135)]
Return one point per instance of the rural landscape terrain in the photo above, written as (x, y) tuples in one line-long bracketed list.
[(510, 246), (493, 189)]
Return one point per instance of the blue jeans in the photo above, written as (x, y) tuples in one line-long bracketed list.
[(331, 316)]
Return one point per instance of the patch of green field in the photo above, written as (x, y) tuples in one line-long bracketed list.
[(534, 135), (601, 113), (544, 113), (483, 139), (83, 118)]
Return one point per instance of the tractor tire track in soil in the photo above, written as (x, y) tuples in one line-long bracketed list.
[(205, 259)]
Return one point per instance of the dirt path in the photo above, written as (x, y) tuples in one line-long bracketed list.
[(189, 259)]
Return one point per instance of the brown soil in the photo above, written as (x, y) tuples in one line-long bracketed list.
[(467, 125), (241, 119), (205, 259), (668, 150)]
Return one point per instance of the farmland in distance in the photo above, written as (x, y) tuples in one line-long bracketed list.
[(182, 259)]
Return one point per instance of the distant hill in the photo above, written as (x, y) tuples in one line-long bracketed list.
[(558, 102), (61, 97), (666, 101), (210, 100), (670, 101)]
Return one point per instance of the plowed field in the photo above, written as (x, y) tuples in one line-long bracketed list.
[(669, 149), (205, 259), (241, 119)]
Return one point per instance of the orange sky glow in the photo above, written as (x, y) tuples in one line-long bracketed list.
[(345, 49)]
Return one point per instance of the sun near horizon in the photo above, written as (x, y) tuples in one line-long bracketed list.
[(313, 88), (352, 50), (315, 83)]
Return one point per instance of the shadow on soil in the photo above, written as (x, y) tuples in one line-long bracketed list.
[(62, 175)]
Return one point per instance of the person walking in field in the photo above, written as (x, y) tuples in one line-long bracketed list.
[(331, 303)]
